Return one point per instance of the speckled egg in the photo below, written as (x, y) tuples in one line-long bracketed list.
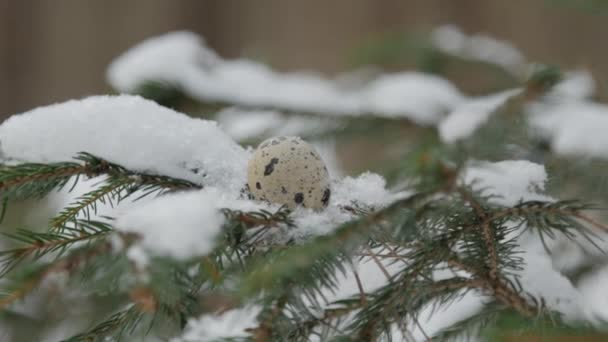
[(289, 171)]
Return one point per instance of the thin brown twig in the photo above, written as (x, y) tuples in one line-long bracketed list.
[(486, 231), (360, 287)]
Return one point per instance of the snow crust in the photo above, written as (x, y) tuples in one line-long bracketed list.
[(183, 59)]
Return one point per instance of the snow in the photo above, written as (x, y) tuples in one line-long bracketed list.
[(470, 115), (577, 84), (451, 40), (130, 131), (573, 124), (540, 279), (367, 191), (423, 98), (520, 180), (595, 298), (142, 136), (166, 64), (510, 181), (230, 324), (573, 128), (180, 226), (243, 124)]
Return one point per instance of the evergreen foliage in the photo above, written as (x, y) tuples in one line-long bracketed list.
[(444, 226)]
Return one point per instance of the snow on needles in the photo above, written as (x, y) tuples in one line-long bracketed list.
[(574, 128), (130, 131), (510, 182), (466, 118), (176, 225), (143, 136), (183, 59), (450, 39)]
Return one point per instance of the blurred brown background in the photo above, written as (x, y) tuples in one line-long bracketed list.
[(53, 50)]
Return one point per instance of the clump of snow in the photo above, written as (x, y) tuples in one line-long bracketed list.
[(367, 191), (420, 97), (510, 181), (166, 64), (595, 297), (451, 40), (578, 84), (470, 115), (540, 279), (424, 98), (180, 226), (574, 128), (231, 324), (131, 131)]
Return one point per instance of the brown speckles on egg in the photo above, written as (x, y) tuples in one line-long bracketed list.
[(326, 195), (298, 198), (290, 176), (270, 166)]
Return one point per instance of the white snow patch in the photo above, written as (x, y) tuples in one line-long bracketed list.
[(578, 84), (467, 117), (511, 181), (574, 128), (367, 191), (130, 131), (202, 75), (180, 225), (595, 297), (424, 98), (540, 279), (165, 65), (229, 324), (451, 40)]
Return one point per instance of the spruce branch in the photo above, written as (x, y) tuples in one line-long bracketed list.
[(264, 331), (34, 180), (87, 203), (39, 244), (487, 231), (117, 325), (32, 278)]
